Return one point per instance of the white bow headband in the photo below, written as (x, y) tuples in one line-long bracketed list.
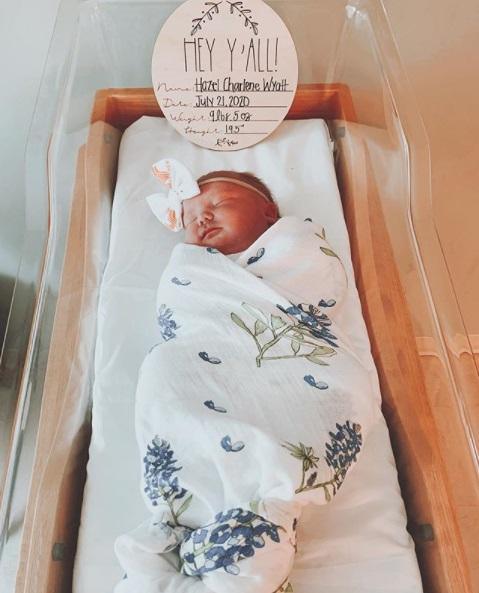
[(181, 186)]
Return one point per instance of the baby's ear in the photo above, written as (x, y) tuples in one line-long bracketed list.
[(271, 212)]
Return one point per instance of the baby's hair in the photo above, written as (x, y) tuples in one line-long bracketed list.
[(242, 176)]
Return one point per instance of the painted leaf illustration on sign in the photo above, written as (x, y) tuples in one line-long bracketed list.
[(198, 21)]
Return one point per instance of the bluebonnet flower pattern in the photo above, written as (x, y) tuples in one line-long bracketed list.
[(254, 258), (179, 282), (342, 450), (310, 380), (341, 453), (212, 406), (235, 534), (310, 317), (207, 358), (230, 447), (166, 322), (160, 482)]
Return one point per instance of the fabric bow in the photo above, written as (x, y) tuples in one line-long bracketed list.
[(181, 186)]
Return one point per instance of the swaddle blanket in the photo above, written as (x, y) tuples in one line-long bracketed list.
[(253, 405)]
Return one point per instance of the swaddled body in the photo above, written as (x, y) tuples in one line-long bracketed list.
[(253, 405)]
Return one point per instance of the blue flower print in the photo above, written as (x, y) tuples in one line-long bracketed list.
[(207, 358), (341, 453), (167, 323), (310, 380), (179, 282), (230, 447), (211, 405), (310, 317), (235, 534), (160, 482), (328, 303), (343, 448), (254, 258), (212, 250)]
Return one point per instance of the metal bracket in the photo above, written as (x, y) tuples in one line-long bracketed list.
[(58, 551), (423, 532)]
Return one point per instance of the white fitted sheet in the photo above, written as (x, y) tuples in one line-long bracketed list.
[(357, 543)]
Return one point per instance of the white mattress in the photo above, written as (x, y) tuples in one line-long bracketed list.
[(356, 544)]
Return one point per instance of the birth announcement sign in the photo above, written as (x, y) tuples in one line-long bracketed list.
[(224, 72)]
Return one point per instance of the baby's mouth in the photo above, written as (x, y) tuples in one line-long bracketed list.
[(210, 232)]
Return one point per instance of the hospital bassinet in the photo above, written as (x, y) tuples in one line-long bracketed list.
[(382, 168)]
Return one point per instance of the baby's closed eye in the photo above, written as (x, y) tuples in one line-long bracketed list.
[(222, 202)]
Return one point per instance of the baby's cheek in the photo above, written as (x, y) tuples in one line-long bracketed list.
[(191, 236)]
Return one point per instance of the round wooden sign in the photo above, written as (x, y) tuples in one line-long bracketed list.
[(224, 72)]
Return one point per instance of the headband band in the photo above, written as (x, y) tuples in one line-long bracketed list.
[(238, 182)]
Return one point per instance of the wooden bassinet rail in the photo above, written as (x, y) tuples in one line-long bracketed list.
[(53, 510)]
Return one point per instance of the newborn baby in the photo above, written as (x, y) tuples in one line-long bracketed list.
[(254, 403), (226, 215)]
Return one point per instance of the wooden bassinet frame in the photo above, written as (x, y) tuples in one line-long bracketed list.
[(53, 509)]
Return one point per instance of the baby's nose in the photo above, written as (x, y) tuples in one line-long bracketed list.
[(205, 216)]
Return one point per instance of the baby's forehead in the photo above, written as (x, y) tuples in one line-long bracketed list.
[(223, 187)]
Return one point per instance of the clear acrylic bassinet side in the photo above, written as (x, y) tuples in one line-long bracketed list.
[(399, 176), (48, 345), (25, 349)]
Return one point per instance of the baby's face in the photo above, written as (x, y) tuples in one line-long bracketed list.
[(226, 216)]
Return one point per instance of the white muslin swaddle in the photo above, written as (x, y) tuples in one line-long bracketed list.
[(253, 405)]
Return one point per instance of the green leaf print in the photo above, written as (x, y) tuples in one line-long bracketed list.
[(184, 506), (295, 346), (285, 587), (254, 312), (316, 360), (323, 351), (328, 251), (297, 333), (259, 327), (277, 322), (240, 322)]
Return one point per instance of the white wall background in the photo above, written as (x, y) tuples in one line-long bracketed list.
[(25, 31)]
